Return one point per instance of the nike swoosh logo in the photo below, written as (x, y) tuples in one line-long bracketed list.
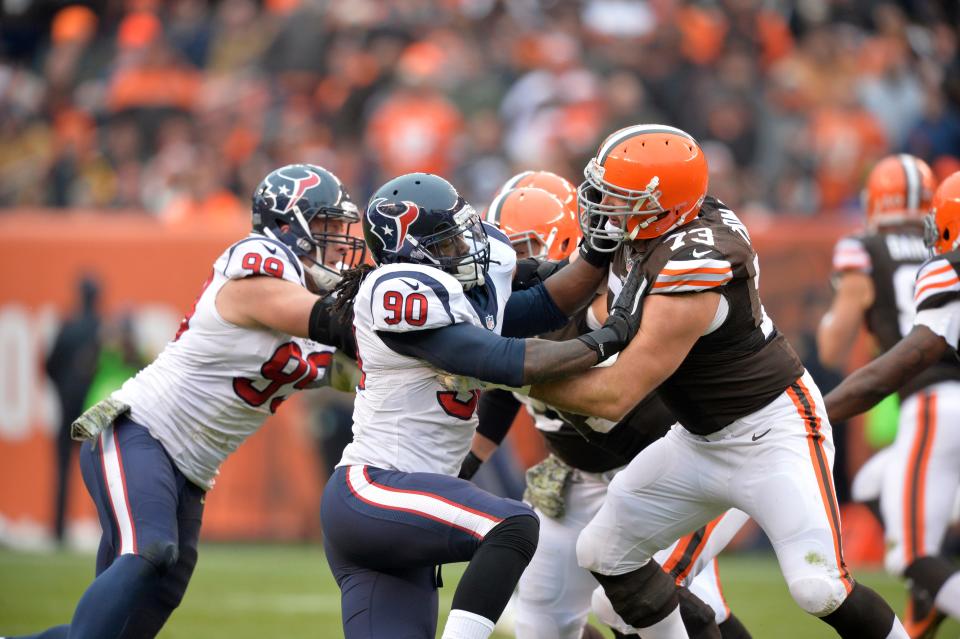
[(756, 437), (414, 285), (272, 250), (699, 254)]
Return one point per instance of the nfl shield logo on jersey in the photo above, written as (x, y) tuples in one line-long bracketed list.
[(490, 321)]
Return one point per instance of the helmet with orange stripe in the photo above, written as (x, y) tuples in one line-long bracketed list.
[(645, 181), (537, 223), (562, 188), (899, 189), (942, 225)]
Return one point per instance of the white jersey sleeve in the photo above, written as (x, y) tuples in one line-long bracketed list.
[(410, 297), (258, 255)]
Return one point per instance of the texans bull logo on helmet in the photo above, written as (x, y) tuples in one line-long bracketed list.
[(390, 221), (285, 190)]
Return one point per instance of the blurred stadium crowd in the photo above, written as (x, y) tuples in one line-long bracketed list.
[(178, 108)]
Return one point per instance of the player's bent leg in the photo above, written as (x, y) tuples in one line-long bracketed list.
[(492, 574), (554, 591), (133, 483), (390, 521), (168, 591), (795, 504), (651, 503)]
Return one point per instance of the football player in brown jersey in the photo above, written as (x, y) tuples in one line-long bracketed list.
[(874, 274), (935, 583), (567, 489), (753, 433)]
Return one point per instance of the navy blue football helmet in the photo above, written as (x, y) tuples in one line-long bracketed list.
[(307, 208), (419, 218)]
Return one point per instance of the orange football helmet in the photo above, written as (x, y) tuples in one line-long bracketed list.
[(656, 177), (562, 188), (899, 189), (536, 219), (942, 225)]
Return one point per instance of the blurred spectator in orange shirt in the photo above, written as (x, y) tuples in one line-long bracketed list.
[(416, 128), (149, 73), (201, 198)]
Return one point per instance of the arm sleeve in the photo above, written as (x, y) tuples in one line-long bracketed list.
[(531, 312), (463, 349), (497, 410), (333, 328)]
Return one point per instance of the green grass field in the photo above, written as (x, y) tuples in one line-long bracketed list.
[(252, 592)]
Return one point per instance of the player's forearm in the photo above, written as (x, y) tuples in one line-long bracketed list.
[(884, 375), (545, 360), (574, 286), (834, 341), (594, 393)]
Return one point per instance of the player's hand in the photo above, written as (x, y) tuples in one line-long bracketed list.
[(464, 384), (623, 321), (597, 251)]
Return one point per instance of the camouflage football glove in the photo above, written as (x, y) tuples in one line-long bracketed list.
[(96, 418)]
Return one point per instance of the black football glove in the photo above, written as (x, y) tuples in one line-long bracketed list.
[(471, 464), (624, 319), (597, 251)]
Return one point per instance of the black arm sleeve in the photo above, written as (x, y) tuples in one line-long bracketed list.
[(463, 349), (333, 328), (531, 312), (496, 411)]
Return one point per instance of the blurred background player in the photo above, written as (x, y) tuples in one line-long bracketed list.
[(440, 299), (874, 275), (72, 366), (567, 488), (753, 433), (926, 462), (156, 445)]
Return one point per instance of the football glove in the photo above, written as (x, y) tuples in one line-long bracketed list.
[(624, 319)]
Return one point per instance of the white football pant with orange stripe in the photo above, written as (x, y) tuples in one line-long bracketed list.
[(922, 475), (774, 464), (554, 594)]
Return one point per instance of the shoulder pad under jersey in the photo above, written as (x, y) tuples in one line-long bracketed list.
[(262, 256), (413, 297), (692, 268)]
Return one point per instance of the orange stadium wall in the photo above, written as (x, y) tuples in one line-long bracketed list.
[(270, 489)]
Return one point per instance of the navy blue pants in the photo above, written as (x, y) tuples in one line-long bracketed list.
[(385, 533), (147, 507)]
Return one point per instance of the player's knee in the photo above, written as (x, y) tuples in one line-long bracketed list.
[(162, 554), (641, 597), (818, 595), (519, 532), (589, 549)]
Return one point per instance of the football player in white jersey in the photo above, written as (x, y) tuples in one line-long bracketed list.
[(156, 445), (394, 509), (752, 431), (934, 580)]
